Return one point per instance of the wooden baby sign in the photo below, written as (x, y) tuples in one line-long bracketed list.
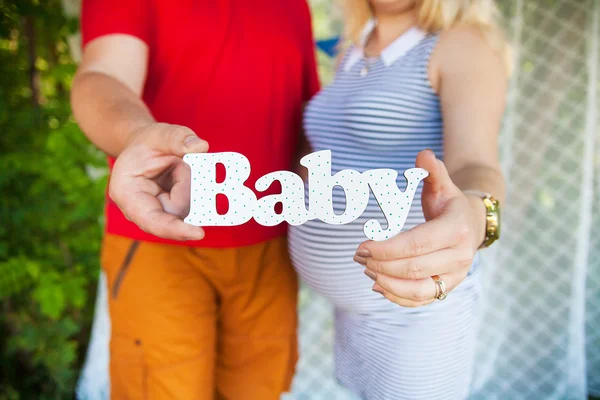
[(244, 205)]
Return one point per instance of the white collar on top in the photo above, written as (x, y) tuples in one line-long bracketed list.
[(392, 52)]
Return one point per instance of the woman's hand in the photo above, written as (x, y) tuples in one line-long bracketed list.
[(151, 184), (445, 245)]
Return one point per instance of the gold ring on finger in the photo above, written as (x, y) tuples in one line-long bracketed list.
[(441, 290)]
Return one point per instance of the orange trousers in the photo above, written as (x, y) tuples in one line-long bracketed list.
[(200, 323)]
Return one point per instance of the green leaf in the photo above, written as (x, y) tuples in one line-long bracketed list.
[(51, 298)]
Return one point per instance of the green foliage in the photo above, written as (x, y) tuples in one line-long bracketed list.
[(51, 183)]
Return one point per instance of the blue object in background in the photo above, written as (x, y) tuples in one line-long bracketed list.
[(329, 46)]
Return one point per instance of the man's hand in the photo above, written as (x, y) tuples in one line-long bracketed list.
[(151, 184)]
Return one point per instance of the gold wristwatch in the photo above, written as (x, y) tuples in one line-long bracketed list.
[(492, 217)]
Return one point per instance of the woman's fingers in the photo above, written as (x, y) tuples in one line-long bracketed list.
[(439, 233), (436, 263), (417, 292), (399, 300), (438, 175), (402, 266)]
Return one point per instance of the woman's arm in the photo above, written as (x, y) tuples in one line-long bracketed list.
[(471, 82)]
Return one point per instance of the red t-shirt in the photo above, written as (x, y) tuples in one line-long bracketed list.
[(236, 72)]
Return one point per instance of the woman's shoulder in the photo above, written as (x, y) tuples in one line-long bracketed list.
[(464, 33), (463, 51), (464, 41), (463, 47)]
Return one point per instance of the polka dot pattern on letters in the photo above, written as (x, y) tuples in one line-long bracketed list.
[(244, 205), (204, 189), (395, 205)]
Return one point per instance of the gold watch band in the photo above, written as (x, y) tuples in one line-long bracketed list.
[(492, 217)]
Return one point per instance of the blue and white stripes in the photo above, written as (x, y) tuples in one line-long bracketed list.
[(382, 120)]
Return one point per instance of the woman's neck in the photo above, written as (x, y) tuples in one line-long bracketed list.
[(389, 28)]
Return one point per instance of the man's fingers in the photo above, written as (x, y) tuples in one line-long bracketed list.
[(154, 157), (436, 263), (169, 139), (156, 167), (144, 209), (177, 199), (138, 161), (177, 140), (168, 226), (439, 233)]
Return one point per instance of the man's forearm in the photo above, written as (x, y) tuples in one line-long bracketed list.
[(107, 111)]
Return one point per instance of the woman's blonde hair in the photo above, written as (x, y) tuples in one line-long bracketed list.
[(437, 15)]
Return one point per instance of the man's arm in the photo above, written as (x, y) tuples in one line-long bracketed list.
[(106, 94), (150, 182)]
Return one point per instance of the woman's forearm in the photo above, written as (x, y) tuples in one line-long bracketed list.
[(480, 178)]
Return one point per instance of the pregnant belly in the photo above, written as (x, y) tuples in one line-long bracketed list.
[(323, 257)]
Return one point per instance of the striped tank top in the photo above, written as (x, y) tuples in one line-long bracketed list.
[(380, 119), (379, 113)]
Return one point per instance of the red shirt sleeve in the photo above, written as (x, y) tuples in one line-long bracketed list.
[(105, 17), (311, 76)]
